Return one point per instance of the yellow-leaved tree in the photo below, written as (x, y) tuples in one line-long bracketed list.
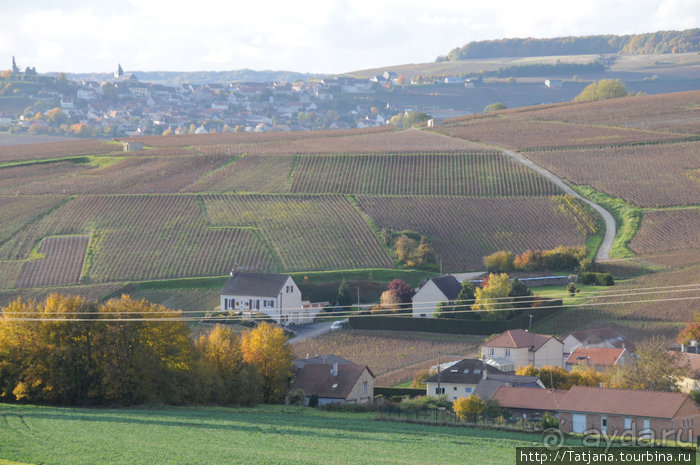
[(266, 348), (469, 408), (492, 297)]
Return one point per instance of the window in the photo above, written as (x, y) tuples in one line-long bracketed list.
[(628, 423), (468, 390), (335, 386), (454, 388), (439, 390), (477, 371), (507, 352), (364, 387), (490, 350)]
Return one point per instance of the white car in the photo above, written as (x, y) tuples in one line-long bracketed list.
[(337, 325)]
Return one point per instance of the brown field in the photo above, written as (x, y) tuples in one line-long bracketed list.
[(132, 175), (306, 232), (91, 292), (489, 174), (387, 141), (522, 134), (138, 237), (233, 138), (250, 173), (393, 357), (463, 231), (58, 149), (666, 230), (647, 176), (18, 212), (62, 264), (678, 112)]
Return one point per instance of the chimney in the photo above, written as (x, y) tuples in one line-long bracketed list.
[(334, 370), (486, 374)]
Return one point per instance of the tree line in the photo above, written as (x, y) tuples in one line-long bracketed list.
[(637, 44), (67, 350)]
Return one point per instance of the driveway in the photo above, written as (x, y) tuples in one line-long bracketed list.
[(311, 330)]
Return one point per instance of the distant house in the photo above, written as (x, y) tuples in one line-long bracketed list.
[(131, 146), (518, 347), (471, 376), (432, 291), (529, 403), (454, 80), (603, 337), (328, 359), (598, 358), (623, 412), (553, 83), (335, 383), (275, 295)]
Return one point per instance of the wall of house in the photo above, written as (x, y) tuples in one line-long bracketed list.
[(426, 299), (550, 354), (358, 394), (452, 391), (290, 304), (519, 356)]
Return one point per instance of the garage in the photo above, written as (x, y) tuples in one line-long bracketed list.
[(579, 423)]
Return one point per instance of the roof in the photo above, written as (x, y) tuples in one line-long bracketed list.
[(317, 378), (609, 336), (255, 284), (328, 359), (519, 338), (467, 371), (692, 361), (488, 387), (448, 285), (623, 402), (529, 398), (595, 356)]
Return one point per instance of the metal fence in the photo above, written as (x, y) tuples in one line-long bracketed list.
[(448, 417)]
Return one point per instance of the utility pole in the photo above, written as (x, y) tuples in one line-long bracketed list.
[(530, 325), (438, 388), (358, 298)]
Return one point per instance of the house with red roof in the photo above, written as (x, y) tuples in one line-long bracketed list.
[(599, 358), (528, 402), (630, 413), (518, 347)]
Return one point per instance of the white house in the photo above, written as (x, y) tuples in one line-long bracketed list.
[(517, 347), (275, 295), (602, 337), (431, 292)]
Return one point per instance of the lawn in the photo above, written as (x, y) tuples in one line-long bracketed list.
[(261, 435)]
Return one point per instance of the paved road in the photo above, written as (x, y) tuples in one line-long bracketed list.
[(604, 250), (310, 330)]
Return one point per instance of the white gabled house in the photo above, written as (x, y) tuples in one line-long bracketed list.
[(433, 291), (275, 295)]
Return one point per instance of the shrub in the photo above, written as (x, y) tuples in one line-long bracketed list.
[(313, 400), (499, 262), (549, 421), (600, 279), (295, 397), (469, 408)]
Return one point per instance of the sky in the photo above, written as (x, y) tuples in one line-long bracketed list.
[(331, 36)]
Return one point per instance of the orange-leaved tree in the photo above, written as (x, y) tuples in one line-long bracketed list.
[(266, 348)]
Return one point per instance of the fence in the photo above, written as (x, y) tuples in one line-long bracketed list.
[(448, 417)]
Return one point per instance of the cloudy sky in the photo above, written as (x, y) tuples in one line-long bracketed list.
[(329, 36)]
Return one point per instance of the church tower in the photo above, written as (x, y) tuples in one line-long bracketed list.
[(15, 68), (119, 72)]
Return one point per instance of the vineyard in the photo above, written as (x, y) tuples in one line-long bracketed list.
[(440, 174), (47, 150), (411, 140), (522, 134), (305, 232), (144, 237), (251, 173), (666, 230), (463, 231), (62, 262), (18, 211), (97, 175), (648, 176)]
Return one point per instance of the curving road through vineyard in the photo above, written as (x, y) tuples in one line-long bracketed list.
[(610, 228)]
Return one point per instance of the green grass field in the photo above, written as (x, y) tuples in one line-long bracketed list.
[(261, 435)]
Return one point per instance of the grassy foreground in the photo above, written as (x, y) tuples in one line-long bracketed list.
[(261, 435)]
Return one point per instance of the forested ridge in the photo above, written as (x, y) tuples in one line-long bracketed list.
[(637, 44)]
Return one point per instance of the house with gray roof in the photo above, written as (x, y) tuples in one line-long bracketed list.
[(335, 383), (431, 292), (474, 377), (275, 295)]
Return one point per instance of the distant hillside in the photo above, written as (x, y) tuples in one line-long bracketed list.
[(639, 44), (174, 78)]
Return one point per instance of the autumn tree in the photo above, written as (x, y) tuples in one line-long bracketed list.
[(465, 300), (266, 348), (492, 297), (402, 290), (602, 90), (230, 379), (691, 331), (389, 301), (56, 116), (655, 369), (469, 408)]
